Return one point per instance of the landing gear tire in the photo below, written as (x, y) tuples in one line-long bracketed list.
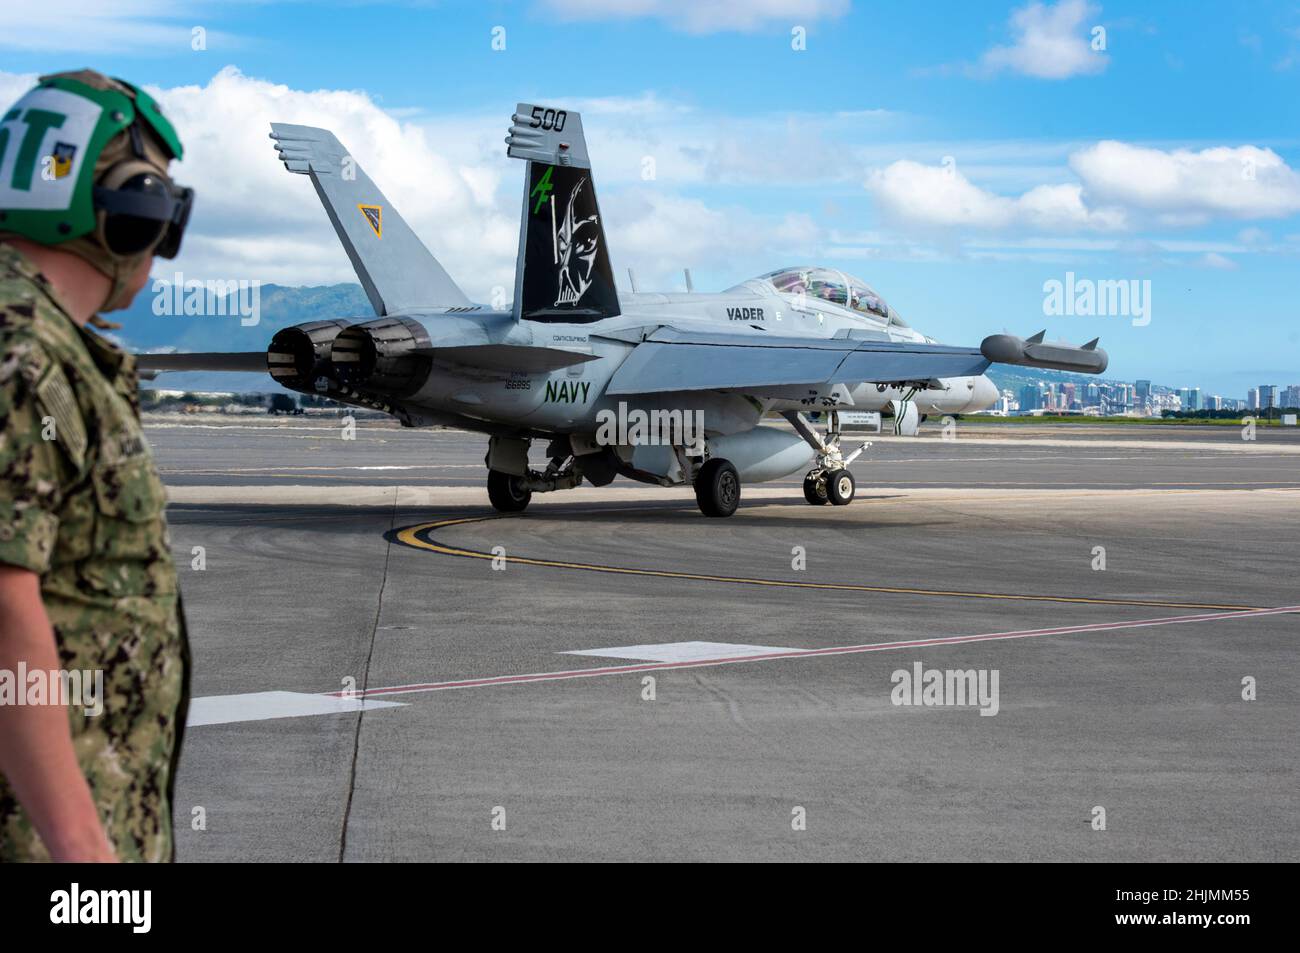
[(717, 488), (506, 493), (814, 491), (840, 487)]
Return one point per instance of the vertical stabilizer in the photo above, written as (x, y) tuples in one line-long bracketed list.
[(563, 271)]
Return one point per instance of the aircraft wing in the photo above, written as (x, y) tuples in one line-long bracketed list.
[(671, 359)]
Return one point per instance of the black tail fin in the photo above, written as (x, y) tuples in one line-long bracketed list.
[(563, 271)]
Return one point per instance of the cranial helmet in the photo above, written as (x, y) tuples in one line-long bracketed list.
[(83, 165)]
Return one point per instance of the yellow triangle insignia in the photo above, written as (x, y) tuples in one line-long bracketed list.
[(375, 216)]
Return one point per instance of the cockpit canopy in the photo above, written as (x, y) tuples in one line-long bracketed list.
[(835, 287)]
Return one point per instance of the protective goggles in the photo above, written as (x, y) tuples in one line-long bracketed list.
[(145, 212)]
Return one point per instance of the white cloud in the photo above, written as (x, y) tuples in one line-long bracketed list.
[(252, 219), (1050, 42), (1216, 261), (659, 234), (913, 194), (459, 191), (1186, 187), (14, 85), (1120, 187), (703, 16)]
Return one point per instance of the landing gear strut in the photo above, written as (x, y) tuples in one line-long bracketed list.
[(829, 481)]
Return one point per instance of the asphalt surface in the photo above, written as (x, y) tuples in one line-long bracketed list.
[(321, 568)]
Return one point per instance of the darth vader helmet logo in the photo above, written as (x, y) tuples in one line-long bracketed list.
[(577, 243)]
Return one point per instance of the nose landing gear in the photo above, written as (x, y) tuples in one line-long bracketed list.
[(830, 480), (814, 488), (840, 487)]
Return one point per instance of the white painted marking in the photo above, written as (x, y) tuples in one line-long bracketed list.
[(682, 651), (261, 706), (816, 653)]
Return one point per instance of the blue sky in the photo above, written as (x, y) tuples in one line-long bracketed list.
[(957, 156)]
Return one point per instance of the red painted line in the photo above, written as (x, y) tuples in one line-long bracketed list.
[(807, 653)]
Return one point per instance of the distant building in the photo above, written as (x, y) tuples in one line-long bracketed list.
[(1267, 396), (1142, 397), (1291, 396), (1031, 397), (1252, 398)]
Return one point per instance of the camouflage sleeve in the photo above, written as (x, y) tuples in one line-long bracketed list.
[(31, 470)]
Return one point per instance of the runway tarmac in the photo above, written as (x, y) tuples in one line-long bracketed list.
[(476, 734)]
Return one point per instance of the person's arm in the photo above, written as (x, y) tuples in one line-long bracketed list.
[(36, 755)]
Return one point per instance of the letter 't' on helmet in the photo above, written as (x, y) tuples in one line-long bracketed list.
[(85, 156)]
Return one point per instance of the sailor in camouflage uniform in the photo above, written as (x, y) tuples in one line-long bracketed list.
[(85, 205)]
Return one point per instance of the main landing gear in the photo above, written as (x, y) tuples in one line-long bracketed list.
[(717, 488), (822, 486), (507, 492), (829, 481), (512, 483), (716, 481)]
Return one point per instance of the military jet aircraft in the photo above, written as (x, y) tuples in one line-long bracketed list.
[(667, 389)]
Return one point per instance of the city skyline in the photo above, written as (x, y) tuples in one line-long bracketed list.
[(1141, 397)]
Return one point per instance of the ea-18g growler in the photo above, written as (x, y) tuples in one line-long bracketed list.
[(668, 389)]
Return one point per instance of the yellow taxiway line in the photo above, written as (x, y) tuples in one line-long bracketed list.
[(417, 537)]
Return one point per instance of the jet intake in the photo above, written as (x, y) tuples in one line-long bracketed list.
[(377, 356), (300, 354), (1032, 352)]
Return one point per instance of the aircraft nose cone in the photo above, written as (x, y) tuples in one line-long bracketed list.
[(983, 396)]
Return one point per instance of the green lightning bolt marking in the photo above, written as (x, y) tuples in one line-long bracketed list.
[(544, 187)]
